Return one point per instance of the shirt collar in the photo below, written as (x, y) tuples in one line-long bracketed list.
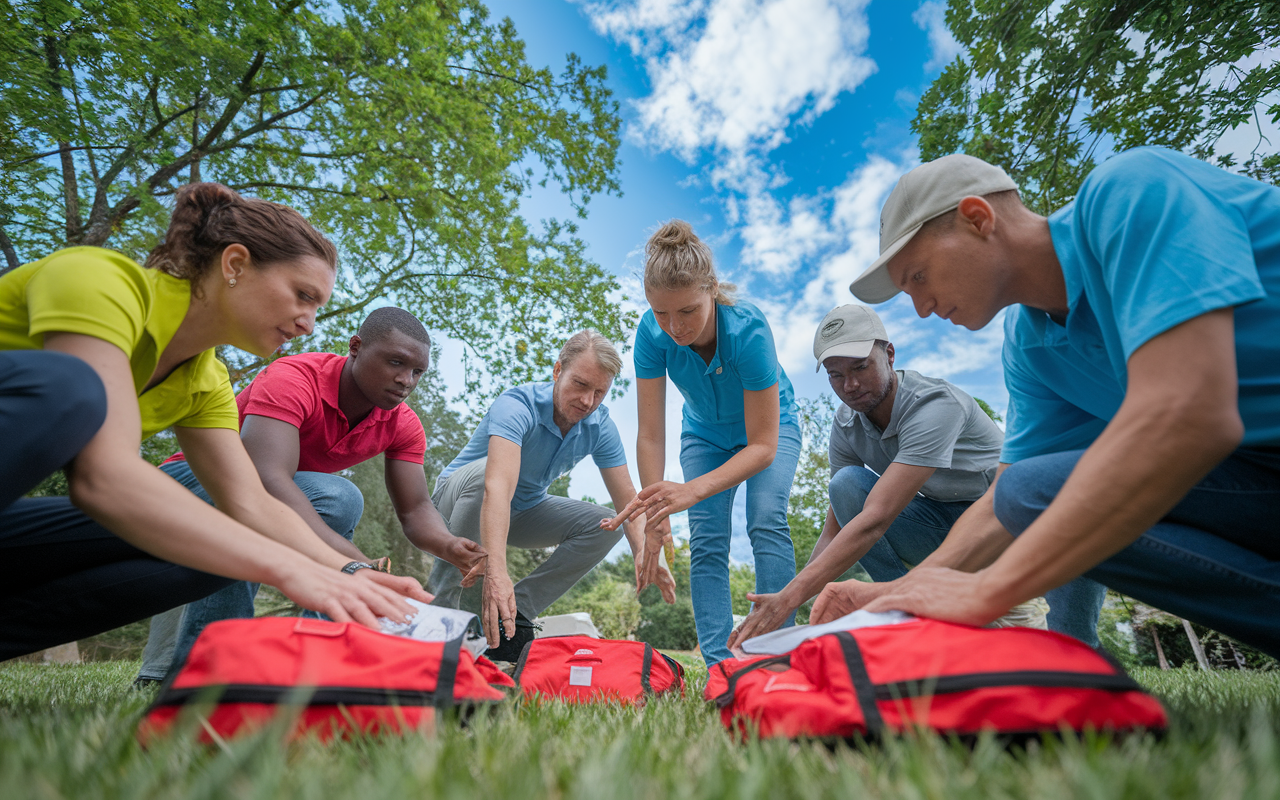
[(544, 397), (714, 365), (329, 380)]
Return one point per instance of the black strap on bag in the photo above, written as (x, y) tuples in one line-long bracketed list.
[(645, 668), (863, 688), (448, 674)]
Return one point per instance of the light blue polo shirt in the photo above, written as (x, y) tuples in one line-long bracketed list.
[(745, 358), (1154, 238), (524, 415)]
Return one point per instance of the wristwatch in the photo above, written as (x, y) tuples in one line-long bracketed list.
[(353, 566)]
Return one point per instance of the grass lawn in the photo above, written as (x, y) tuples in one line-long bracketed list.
[(67, 731)]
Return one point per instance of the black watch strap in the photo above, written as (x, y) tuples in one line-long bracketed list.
[(353, 566)]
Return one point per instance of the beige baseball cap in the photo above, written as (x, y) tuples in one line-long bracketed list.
[(850, 331), (928, 191)]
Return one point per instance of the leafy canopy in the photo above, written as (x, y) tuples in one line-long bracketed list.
[(407, 131), (1045, 89)]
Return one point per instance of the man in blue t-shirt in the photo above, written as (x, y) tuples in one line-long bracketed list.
[(495, 492), (1142, 357)]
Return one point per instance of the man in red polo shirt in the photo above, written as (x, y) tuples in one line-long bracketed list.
[(306, 417)]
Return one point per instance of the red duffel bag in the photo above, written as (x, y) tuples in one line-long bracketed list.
[(584, 670), (338, 678), (950, 678)]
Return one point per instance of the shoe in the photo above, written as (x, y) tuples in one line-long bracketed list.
[(510, 649)]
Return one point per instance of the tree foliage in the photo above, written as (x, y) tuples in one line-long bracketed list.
[(1046, 89), (407, 130)]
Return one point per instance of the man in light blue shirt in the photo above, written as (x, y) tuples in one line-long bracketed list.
[(495, 492), (1142, 357)]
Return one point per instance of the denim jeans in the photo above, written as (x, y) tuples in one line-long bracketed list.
[(711, 525), (1214, 559), (337, 501), (916, 533), (572, 527)]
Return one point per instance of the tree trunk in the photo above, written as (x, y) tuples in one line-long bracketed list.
[(1196, 647), (70, 186), (1155, 637), (10, 255), (1240, 662)]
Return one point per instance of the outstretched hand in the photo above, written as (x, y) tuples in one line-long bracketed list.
[(658, 501), (844, 597), (469, 557), (649, 571), (768, 612), (361, 598), (940, 593)]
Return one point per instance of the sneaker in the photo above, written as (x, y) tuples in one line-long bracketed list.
[(510, 649)]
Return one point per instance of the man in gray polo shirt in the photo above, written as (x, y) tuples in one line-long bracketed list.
[(908, 454)]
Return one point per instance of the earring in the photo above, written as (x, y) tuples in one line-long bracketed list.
[(231, 282)]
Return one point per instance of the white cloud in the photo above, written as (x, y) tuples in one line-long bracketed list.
[(732, 75), (931, 16)]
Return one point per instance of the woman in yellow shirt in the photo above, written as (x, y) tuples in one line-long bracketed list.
[(98, 353)]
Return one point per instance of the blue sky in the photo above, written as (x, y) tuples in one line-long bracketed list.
[(777, 128)]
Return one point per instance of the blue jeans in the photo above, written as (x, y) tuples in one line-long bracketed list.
[(711, 525), (337, 501), (916, 533), (1214, 559)]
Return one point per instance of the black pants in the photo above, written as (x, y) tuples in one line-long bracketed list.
[(65, 576)]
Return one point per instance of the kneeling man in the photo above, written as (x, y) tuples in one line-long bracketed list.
[(306, 417), (495, 492), (1142, 357)]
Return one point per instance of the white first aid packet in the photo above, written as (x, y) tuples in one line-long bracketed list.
[(436, 624), (784, 640)]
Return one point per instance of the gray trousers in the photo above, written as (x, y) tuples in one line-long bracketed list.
[(572, 526)]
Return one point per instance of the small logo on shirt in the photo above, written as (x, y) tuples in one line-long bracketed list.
[(584, 653), (832, 328)]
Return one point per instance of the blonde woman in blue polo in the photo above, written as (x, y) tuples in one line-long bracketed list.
[(739, 427)]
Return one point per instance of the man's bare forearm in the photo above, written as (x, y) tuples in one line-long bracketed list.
[(495, 520)]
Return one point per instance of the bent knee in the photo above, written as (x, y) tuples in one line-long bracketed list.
[(1023, 492)]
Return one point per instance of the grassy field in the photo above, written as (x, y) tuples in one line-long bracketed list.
[(67, 732)]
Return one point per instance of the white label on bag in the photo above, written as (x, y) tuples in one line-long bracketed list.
[(579, 676)]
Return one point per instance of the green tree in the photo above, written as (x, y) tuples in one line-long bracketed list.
[(807, 510), (407, 130), (1046, 89)]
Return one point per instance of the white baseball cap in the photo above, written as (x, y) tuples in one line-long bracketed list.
[(928, 191), (850, 331)]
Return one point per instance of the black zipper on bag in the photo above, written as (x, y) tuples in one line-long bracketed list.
[(950, 684)]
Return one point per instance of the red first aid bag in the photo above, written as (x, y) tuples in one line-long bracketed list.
[(582, 669), (339, 678), (924, 673)]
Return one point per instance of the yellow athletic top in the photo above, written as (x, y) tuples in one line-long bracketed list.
[(101, 293)]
